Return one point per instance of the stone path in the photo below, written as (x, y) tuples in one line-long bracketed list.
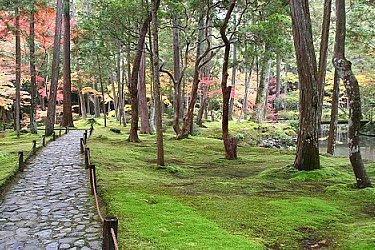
[(51, 207)]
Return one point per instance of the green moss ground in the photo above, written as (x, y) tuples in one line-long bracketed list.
[(9, 147), (203, 201)]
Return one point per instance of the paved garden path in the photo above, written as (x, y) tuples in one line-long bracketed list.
[(50, 206)]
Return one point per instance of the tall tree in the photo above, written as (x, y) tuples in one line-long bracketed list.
[(50, 122), (67, 118), (33, 124), (331, 141), (322, 67), (142, 97), (234, 73), (158, 110), (133, 84), (307, 156), (177, 75), (344, 71), (230, 144), (18, 72)]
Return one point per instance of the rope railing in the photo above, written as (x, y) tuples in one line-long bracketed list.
[(113, 234), (110, 224)]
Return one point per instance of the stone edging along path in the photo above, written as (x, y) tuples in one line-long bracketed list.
[(50, 206)]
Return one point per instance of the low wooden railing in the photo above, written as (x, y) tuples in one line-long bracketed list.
[(110, 223)]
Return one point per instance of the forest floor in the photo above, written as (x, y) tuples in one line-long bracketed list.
[(200, 200), (9, 147)]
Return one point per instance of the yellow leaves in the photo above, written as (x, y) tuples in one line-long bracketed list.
[(90, 90), (166, 101)]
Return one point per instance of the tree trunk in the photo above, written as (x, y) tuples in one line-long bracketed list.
[(261, 92), (115, 100), (82, 103), (96, 100), (244, 110), (33, 124), (344, 70), (158, 112), (50, 122), (323, 53), (177, 76), (120, 83), (307, 157), (102, 90), (133, 90), (234, 72), (334, 115), (202, 107), (278, 76), (67, 119), (143, 107), (88, 104), (267, 89), (18, 74), (188, 119), (230, 143)]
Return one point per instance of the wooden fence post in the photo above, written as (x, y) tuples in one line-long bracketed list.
[(81, 144), (92, 170), (21, 165), (85, 137), (87, 155), (109, 222), (54, 136), (44, 140), (34, 146)]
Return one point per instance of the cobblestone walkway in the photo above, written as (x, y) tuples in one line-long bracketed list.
[(50, 206)]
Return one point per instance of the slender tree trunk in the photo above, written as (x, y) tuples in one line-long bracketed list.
[(188, 119), (177, 76), (82, 103), (334, 115), (67, 119), (344, 70), (152, 108), (33, 124), (278, 75), (96, 100), (88, 103), (133, 90), (322, 67), (102, 90), (120, 83), (307, 157), (267, 89), (234, 73), (261, 92), (18, 74), (158, 114), (143, 107), (115, 100), (245, 110), (50, 122), (230, 143)]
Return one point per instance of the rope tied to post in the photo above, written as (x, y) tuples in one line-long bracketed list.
[(96, 196), (114, 238)]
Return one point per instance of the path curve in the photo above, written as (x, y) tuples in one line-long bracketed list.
[(50, 205)]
